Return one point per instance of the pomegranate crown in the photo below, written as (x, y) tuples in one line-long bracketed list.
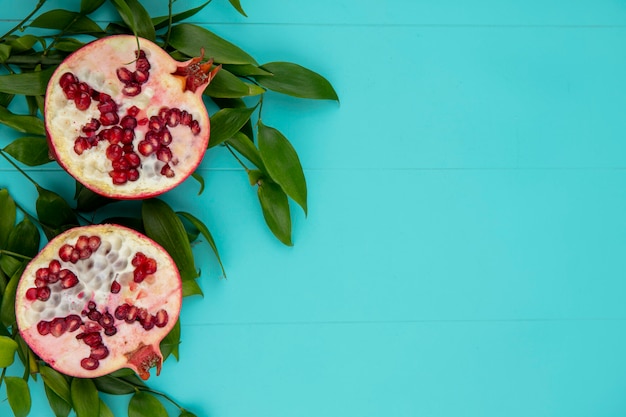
[(196, 74)]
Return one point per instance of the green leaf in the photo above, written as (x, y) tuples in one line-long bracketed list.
[(162, 21), (282, 163), (57, 382), (164, 227), (275, 210), (205, 232), (136, 17), (105, 411), (29, 150), (23, 43), (19, 395), (20, 122), (237, 5), (7, 308), (244, 145), (297, 81), (59, 407), (113, 385), (190, 287), (87, 200), (8, 347), (169, 344), (227, 85), (226, 122), (143, 404), (7, 216), (5, 52), (85, 398), (90, 6), (190, 39), (70, 22), (54, 213), (24, 238), (68, 44), (186, 413), (200, 179), (246, 70)]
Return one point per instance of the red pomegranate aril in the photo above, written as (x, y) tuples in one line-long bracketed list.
[(133, 111), (128, 136), (42, 273), (115, 135), (131, 316), (185, 118), (164, 154), (71, 91), (148, 323), (107, 106), (133, 160), (81, 145), (43, 293), (165, 137), (85, 253), (145, 148), (109, 118), (43, 327), (142, 64), (75, 256), (54, 266), (114, 152), (99, 352), (140, 77), (121, 312), (91, 126), (120, 164), (31, 294), (195, 127), (119, 177), (139, 275), (124, 75), (71, 280), (40, 282), (94, 242), (92, 339), (131, 90), (82, 242), (156, 123), (139, 259), (167, 171), (173, 117), (161, 318), (66, 79), (94, 315), (149, 266), (132, 174), (110, 331), (106, 320), (57, 326), (82, 101), (128, 122), (73, 322), (115, 287), (90, 364)]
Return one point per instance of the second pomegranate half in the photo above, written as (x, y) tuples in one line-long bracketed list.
[(127, 120)]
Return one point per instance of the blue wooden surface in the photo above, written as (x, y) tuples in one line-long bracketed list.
[(464, 249)]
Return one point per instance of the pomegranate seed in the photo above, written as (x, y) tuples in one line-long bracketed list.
[(115, 287), (119, 177), (107, 106), (104, 97), (110, 331), (128, 136), (185, 118), (141, 77), (120, 165), (71, 280), (75, 256), (150, 266), (73, 322), (156, 123), (133, 111), (161, 318), (31, 294), (91, 126), (85, 253), (43, 293), (81, 145), (82, 101), (195, 127), (133, 160), (167, 171), (109, 118), (115, 134), (163, 113), (42, 273), (132, 174), (92, 339), (52, 278), (57, 326), (40, 282), (153, 138), (139, 259), (132, 314), (89, 363), (91, 327), (106, 320), (124, 75), (128, 122), (121, 312), (84, 87), (138, 276), (165, 137), (145, 148), (131, 90), (164, 154), (142, 64), (99, 352), (143, 122), (43, 327), (82, 242), (148, 323), (173, 118), (94, 242), (142, 314), (54, 266), (128, 148), (114, 152), (66, 79), (94, 315), (91, 305), (71, 91)]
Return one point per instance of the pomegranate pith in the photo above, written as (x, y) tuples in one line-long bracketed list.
[(90, 316), (132, 125)]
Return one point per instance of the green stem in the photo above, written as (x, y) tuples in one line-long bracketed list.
[(161, 394), (169, 23), (19, 25), (4, 155), (15, 255), (4, 371), (33, 60), (237, 158)]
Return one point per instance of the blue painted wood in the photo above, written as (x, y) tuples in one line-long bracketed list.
[(463, 252)]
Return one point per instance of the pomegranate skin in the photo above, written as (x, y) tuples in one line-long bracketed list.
[(75, 329), (104, 92)]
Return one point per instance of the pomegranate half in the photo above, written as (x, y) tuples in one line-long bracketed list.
[(99, 298), (127, 120)]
